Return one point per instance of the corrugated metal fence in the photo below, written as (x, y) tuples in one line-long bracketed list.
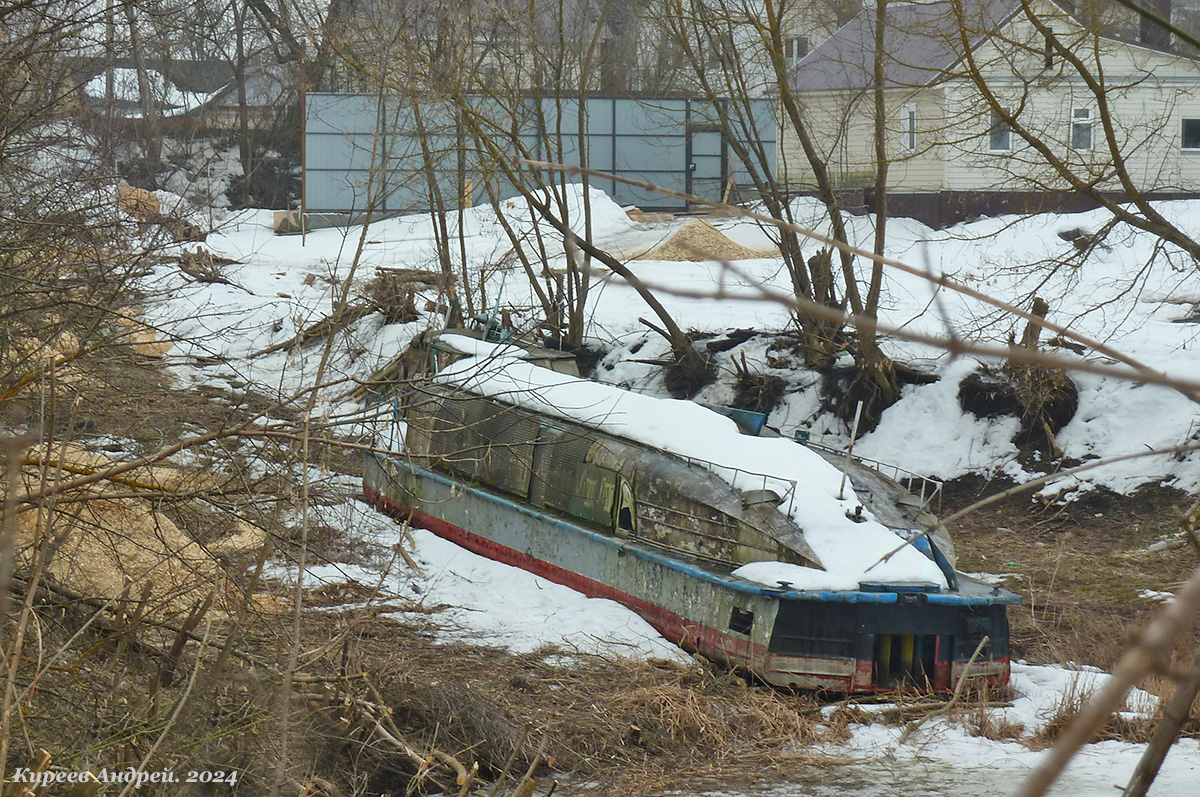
[(382, 150)]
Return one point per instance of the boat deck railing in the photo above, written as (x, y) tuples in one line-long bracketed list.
[(926, 489), (750, 480)]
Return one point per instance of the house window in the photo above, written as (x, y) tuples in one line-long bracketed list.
[(1081, 129), (795, 48), (908, 128), (1048, 53), (1190, 138), (999, 134)]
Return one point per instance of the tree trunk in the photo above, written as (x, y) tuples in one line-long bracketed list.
[(876, 383), (239, 77), (151, 134), (1033, 329), (1048, 397)]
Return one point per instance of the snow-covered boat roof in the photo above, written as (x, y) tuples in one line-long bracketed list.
[(847, 548)]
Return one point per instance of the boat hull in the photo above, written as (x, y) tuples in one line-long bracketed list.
[(833, 641)]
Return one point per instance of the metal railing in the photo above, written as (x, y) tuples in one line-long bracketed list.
[(923, 487), (767, 479)]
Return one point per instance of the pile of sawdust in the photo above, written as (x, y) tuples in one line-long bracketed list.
[(143, 338), (112, 539), (698, 240)]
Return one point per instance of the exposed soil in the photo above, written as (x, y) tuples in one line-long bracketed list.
[(1079, 567), (844, 386), (1044, 401)]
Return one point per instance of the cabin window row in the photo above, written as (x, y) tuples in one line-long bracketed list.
[(555, 465), (548, 464)]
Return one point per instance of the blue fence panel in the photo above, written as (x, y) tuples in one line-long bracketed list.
[(680, 144)]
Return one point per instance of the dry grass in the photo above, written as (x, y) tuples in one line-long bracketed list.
[(1078, 568), (1125, 727), (981, 722), (634, 726), (974, 710)]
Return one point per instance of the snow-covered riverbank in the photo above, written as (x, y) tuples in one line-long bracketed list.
[(283, 286)]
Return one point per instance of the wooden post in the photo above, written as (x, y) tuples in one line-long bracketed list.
[(1033, 329)]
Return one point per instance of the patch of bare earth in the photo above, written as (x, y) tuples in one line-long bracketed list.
[(1081, 568)]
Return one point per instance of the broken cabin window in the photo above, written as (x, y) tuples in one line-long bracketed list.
[(741, 621), (626, 516)]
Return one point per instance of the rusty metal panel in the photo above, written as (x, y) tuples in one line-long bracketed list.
[(675, 509), (507, 436), (484, 441), (567, 481)]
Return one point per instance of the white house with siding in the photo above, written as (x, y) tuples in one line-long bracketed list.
[(1099, 90)]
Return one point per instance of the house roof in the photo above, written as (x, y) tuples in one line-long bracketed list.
[(180, 86), (200, 76), (921, 42)]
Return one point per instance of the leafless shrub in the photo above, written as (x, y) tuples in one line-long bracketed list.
[(1122, 726)]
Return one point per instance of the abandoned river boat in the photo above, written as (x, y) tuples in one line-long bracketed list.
[(749, 550)]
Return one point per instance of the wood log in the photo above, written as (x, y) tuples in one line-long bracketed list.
[(331, 323), (1033, 328)]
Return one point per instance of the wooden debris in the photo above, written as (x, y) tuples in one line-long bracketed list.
[(185, 232), (642, 217), (416, 276), (142, 337), (204, 266), (344, 316), (394, 294)]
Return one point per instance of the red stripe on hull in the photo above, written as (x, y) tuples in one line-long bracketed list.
[(687, 634), (864, 675)]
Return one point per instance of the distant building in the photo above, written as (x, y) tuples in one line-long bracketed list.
[(951, 154), (197, 94), (604, 48)]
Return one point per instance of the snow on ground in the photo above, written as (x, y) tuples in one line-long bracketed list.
[(284, 284), (485, 602), (944, 758), (473, 599)]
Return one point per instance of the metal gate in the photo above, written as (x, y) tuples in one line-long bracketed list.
[(707, 161)]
